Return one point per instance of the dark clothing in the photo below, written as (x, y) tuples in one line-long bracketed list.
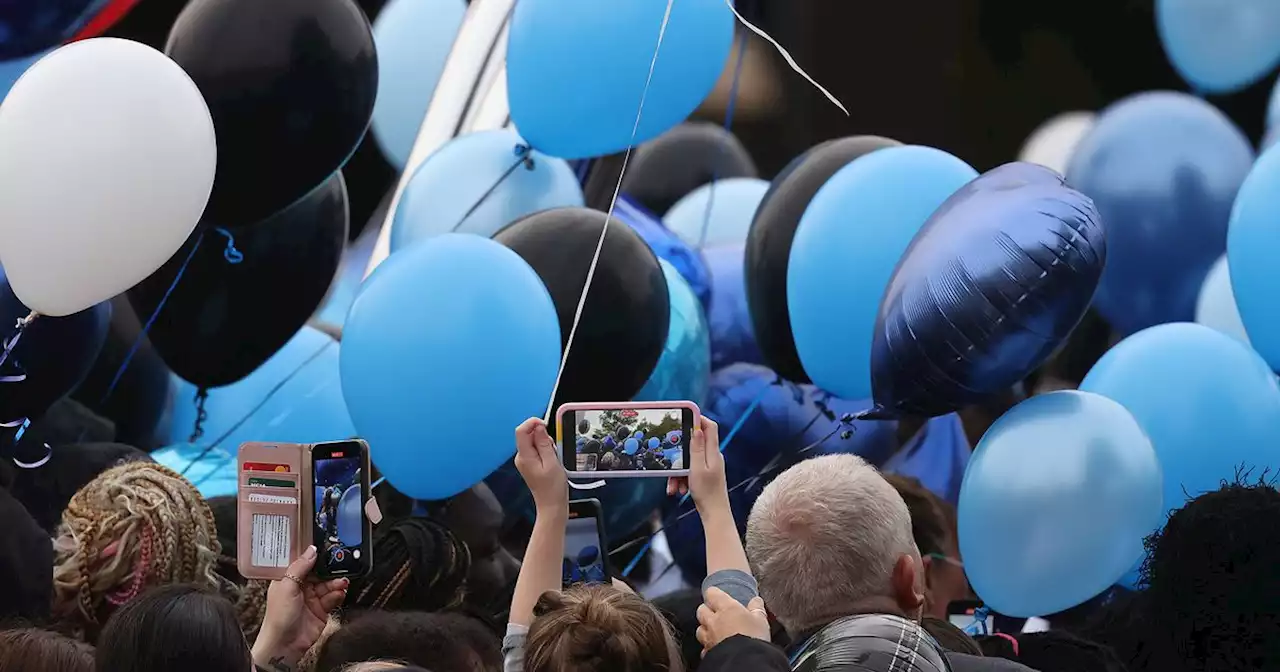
[(960, 662), (885, 643), (741, 653)]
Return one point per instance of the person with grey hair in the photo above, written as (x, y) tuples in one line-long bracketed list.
[(830, 543)]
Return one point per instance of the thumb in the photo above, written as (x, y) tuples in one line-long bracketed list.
[(301, 567), (756, 602), (698, 446)]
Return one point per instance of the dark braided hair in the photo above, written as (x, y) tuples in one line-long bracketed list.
[(1053, 651), (419, 565)]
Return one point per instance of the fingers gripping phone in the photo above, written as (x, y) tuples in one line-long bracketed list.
[(626, 440), (342, 534), (586, 552)]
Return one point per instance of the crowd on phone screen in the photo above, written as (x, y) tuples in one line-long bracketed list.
[(114, 563)]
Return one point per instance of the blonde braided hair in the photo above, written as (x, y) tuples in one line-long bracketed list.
[(135, 526)]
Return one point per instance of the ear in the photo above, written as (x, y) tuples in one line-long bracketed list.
[(907, 584)]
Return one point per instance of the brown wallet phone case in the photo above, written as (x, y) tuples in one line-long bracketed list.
[(273, 503)]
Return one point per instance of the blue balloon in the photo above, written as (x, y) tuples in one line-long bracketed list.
[(673, 437), (1056, 501), (1220, 47), (413, 38), (576, 71), (724, 207), (351, 517), (639, 435), (1253, 245), (355, 260), (733, 337), (1216, 308), (990, 287), (1210, 405), (668, 247), (10, 71), (307, 408), (29, 28), (684, 367), (1273, 110), (845, 249), (459, 177), (654, 442), (627, 503), (609, 443), (631, 445), (213, 473), (449, 345), (1163, 169)]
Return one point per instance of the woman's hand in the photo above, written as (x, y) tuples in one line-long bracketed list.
[(706, 479), (539, 464), (297, 609), (721, 617)]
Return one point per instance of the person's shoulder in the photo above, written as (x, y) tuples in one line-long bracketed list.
[(961, 662)]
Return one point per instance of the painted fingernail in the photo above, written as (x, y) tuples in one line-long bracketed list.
[(310, 552)]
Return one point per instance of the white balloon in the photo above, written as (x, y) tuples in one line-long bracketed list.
[(1216, 307), (1052, 144), (107, 157)]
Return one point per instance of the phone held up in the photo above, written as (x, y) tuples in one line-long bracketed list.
[(634, 439), (586, 550), (342, 533)]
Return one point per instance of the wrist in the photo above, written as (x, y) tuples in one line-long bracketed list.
[(715, 508), (555, 510), (271, 655)]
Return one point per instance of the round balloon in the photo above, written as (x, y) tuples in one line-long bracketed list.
[(351, 517), (669, 167), (135, 159), (32, 27), (1164, 169), (290, 102), (1056, 502), (1216, 307), (10, 71), (1220, 47), (1053, 142), (667, 246), (436, 380), (718, 213), (850, 238), (479, 183), (413, 38), (732, 340), (685, 364), (625, 320), (990, 287), (769, 244), (246, 291), (1252, 245), (584, 426), (577, 73)]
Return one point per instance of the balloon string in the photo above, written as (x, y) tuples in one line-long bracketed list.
[(604, 230), (270, 393), (523, 157), (142, 335), (787, 57), (231, 254), (197, 430), (728, 125)]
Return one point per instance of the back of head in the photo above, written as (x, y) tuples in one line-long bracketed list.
[(174, 628), (421, 566), (1053, 651), (26, 558), (593, 628), (443, 642), (47, 490), (31, 650), (133, 527), (824, 537), (929, 525)]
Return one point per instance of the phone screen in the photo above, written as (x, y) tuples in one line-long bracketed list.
[(339, 508), (644, 439), (584, 554)]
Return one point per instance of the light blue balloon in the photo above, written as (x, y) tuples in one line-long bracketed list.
[(449, 345), (1055, 503), (1273, 109), (212, 472), (576, 70), (654, 442), (849, 241), (355, 260), (684, 368), (307, 408), (413, 38), (733, 205), (1253, 247), (1209, 403), (1216, 307), (460, 174), (10, 71), (631, 445), (1220, 47), (351, 517)]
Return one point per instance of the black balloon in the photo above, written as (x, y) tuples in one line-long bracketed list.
[(50, 358), (224, 319), (769, 244), (669, 167), (624, 323), (290, 85)]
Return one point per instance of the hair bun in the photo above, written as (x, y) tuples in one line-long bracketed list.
[(550, 601)]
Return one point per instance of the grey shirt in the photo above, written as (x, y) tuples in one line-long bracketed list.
[(740, 585)]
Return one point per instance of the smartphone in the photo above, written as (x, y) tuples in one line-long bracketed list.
[(343, 534), (961, 613), (626, 440), (586, 553)]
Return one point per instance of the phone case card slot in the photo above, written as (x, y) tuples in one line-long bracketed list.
[(268, 477), (270, 532), (292, 494)]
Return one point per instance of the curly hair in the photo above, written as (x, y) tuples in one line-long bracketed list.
[(595, 628)]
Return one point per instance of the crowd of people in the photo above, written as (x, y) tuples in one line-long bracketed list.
[(840, 568)]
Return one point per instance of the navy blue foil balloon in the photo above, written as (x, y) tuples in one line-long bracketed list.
[(789, 418), (28, 27), (668, 246), (52, 357), (993, 283), (732, 337)]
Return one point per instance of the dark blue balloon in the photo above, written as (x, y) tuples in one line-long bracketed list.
[(52, 357), (991, 285), (627, 503), (1164, 169), (31, 26), (733, 338), (667, 245)]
